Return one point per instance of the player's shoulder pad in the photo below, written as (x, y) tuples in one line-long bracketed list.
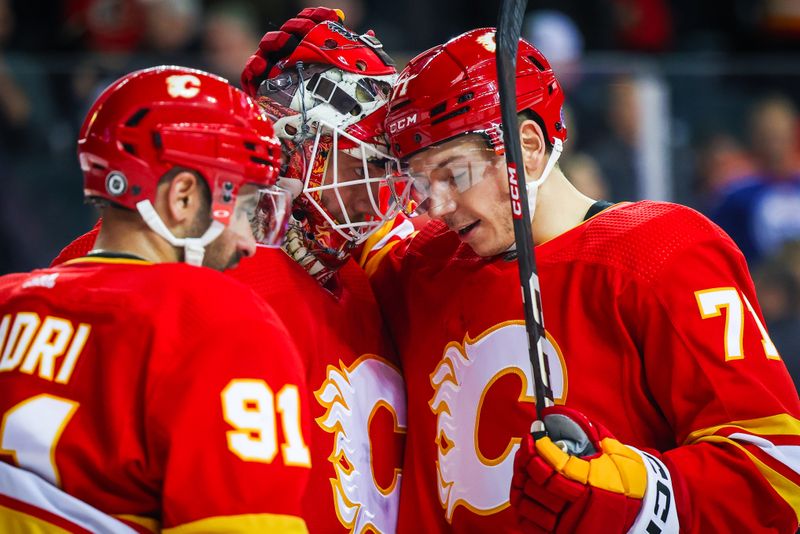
[(204, 287), (643, 237)]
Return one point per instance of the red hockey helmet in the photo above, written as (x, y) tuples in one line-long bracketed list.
[(152, 120), (330, 43), (452, 90), (328, 100)]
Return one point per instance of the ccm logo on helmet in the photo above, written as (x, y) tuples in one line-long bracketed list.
[(403, 123), (183, 85)]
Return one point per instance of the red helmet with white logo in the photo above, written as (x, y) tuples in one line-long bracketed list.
[(328, 100), (152, 120), (452, 90)]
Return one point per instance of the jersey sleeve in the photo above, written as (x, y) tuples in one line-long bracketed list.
[(380, 244), (722, 386), (79, 247), (229, 421)]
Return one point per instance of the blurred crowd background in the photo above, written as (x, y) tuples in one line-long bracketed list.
[(679, 100)]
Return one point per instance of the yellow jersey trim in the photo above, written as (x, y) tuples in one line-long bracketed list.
[(15, 521), (286, 524), (781, 424), (98, 259), (153, 525)]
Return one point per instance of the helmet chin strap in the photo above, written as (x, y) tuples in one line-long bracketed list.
[(533, 187), (194, 247)]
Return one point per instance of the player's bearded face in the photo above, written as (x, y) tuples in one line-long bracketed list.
[(237, 240), (467, 189)]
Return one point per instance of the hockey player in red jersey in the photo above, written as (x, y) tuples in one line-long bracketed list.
[(142, 391), (314, 284), (673, 405)]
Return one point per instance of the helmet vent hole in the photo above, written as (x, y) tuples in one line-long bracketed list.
[(551, 88), (260, 161), (538, 63), (466, 96), (157, 142), (249, 145), (455, 113), (355, 111), (137, 117), (439, 108), (330, 44), (129, 148), (398, 105), (361, 65), (417, 138)]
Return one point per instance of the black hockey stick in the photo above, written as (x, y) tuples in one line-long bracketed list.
[(507, 38)]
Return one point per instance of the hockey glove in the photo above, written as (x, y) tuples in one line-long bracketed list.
[(277, 45), (578, 478)]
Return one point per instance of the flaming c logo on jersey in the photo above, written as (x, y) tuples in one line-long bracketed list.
[(351, 396), (461, 380), (183, 86)]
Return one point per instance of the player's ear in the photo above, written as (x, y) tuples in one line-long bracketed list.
[(531, 139), (181, 199)]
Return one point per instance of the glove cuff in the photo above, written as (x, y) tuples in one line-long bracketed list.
[(658, 513)]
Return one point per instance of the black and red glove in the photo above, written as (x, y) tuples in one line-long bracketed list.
[(579, 478), (277, 45)]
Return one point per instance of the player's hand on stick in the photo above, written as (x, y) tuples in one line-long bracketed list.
[(578, 478), (277, 45)]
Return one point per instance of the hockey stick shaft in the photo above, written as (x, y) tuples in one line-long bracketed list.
[(508, 34)]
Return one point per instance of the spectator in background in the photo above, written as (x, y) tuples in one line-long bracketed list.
[(778, 290), (584, 173), (171, 31), (229, 38), (761, 210), (721, 161), (615, 152)]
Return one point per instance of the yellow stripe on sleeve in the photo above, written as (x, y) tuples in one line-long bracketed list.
[(288, 524), (787, 489), (153, 525), (781, 424), (15, 521)]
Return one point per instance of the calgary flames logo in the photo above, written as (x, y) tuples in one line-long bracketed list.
[(351, 396), (461, 380), (487, 40)]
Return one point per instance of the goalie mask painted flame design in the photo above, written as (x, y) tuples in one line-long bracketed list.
[(351, 396), (461, 381)]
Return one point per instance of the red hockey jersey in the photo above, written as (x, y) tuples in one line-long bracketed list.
[(358, 392), (166, 395), (653, 330)]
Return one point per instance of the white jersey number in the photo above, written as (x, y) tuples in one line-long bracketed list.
[(711, 303), (30, 432), (248, 405)]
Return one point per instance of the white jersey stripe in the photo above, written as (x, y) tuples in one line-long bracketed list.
[(31, 489), (788, 455)]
